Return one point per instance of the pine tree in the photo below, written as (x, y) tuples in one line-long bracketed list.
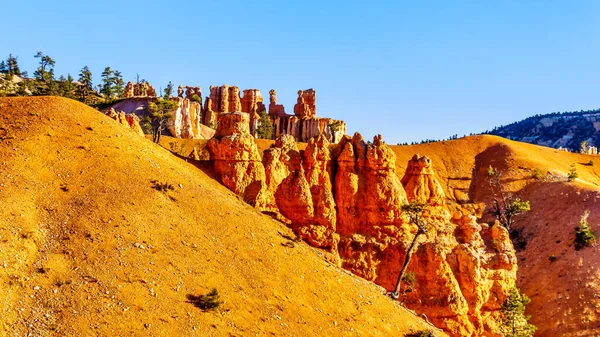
[(85, 79), (513, 321), (13, 65), (107, 80), (68, 87), (264, 130), (168, 90), (118, 84), (3, 67), (61, 85), (572, 173), (45, 72)]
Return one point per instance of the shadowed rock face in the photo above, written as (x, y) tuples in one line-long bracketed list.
[(349, 202)]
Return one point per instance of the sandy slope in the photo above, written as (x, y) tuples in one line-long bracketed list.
[(89, 248)]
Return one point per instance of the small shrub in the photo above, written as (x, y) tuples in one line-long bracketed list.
[(537, 174), (196, 98), (572, 173), (584, 237), (410, 278), (206, 302), (552, 258), (591, 162)]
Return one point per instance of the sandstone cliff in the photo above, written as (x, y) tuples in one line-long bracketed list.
[(349, 202)]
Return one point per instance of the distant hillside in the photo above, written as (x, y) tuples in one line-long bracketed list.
[(566, 129)]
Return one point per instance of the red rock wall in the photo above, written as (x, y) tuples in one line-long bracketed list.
[(349, 202)]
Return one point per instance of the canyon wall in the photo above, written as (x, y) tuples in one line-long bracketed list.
[(347, 199)]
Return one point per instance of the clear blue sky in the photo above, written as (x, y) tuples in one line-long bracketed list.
[(408, 70)]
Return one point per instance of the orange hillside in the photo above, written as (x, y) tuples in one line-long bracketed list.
[(104, 233)]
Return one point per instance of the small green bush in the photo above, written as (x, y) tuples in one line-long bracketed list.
[(584, 237), (591, 162), (552, 258), (572, 173), (196, 98), (537, 174)]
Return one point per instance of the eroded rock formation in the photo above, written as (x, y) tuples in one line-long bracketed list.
[(349, 202), (236, 158), (187, 121), (129, 120), (368, 191), (225, 99), (299, 183), (306, 104), (142, 89), (275, 110), (420, 184)]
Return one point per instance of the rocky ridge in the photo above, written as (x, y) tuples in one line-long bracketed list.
[(347, 199), (193, 120)]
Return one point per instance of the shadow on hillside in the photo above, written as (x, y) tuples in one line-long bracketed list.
[(205, 166), (494, 156)]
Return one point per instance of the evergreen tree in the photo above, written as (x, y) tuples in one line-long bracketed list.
[(513, 321), (3, 67), (85, 79), (264, 129), (168, 90), (68, 87), (160, 113), (61, 86), (572, 173), (45, 72), (118, 84), (13, 65), (107, 80)]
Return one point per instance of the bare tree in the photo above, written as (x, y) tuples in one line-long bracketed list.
[(505, 207)]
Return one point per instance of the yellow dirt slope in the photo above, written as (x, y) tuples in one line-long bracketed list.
[(90, 247)]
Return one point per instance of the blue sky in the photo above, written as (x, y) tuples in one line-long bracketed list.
[(408, 70)]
